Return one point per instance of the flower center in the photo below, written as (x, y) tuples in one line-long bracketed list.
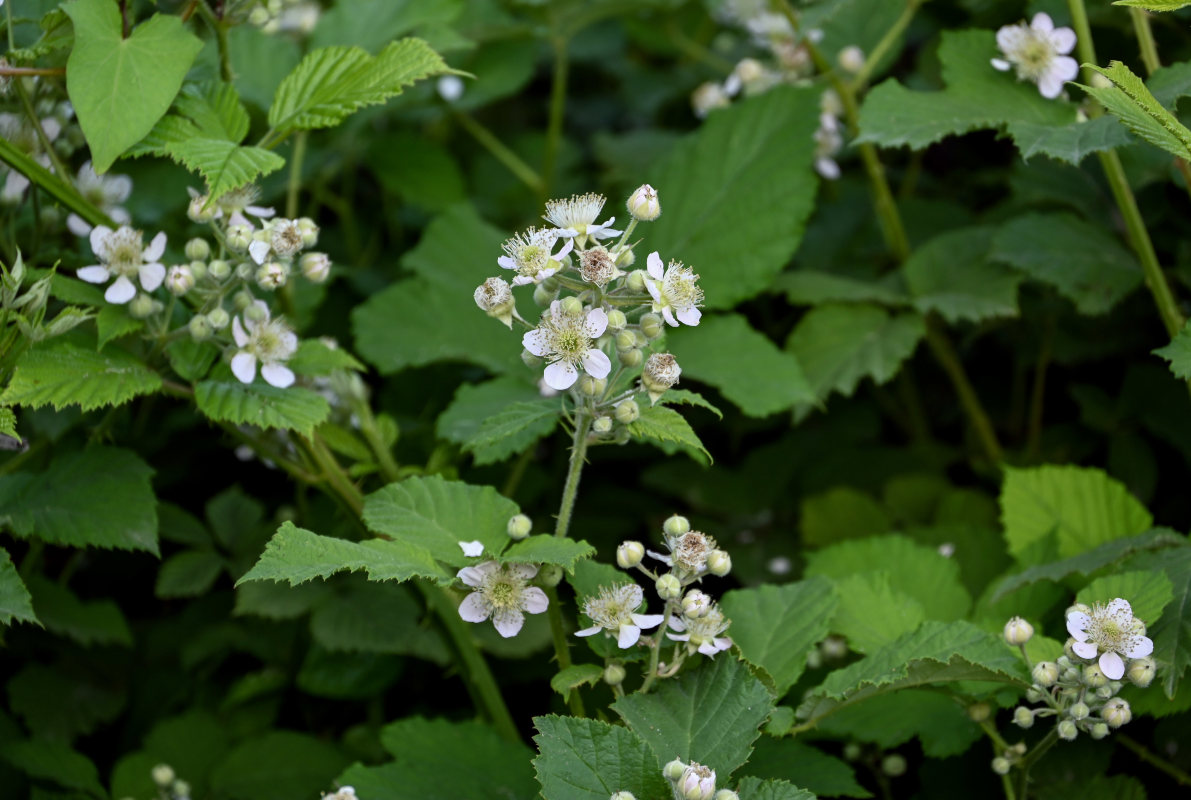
[(532, 259), (1034, 56), (680, 287), (124, 256)]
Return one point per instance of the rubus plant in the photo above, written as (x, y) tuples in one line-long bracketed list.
[(331, 468)]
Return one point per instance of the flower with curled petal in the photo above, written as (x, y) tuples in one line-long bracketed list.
[(528, 254), (501, 592), (702, 634), (614, 610), (675, 291), (1111, 631), (576, 217), (567, 341), (1038, 53), (122, 253), (269, 341)]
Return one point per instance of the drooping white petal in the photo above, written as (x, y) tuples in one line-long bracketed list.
[(596, 323), (566, 248), (1140, 647), (508, 623), (473, 608), (534, 600), (592, 631), (238, 333), (627, 636), (258, 250), (596, 363), (264, 212), (668, 315), (560, 375), (654, 290), (156, 248), (654, 266), (646, 621), (1112, 666), (472, 549), (151, 275), (244, 366), (93, 274), (120, 292), (689, 315), (536, 341), (1084, 649), (278, 375)]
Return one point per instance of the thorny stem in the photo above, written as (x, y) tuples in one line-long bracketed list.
[(501, 152), (558, 101), (1154, 760)]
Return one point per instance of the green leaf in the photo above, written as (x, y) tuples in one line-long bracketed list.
[(280, 765), (224, 165), (1084, 262), (839, 345), (548, 549), (121, 86), (1148, 593), (69, 371), (726, 352), (575, 676), (893, 719), (872, 613), (8, 423), (14, 597), (585, 759), (55, 762), (737, 193), (190, 359), (99, 497), (296, 555), (938, 652), (95, 622), (682, 397), (975, 97), (757, 789), (711, 714), (429, 756), (190, 573), (393, 624), (456, 253), (112, 322), (1132, 103), (1172, 632), (793, 760), (476, 402), (1154, 5), (1082, 508), (228, 400), (951, 275), (64, 701), (331, 83), (209, 111), (809, 288), (315, 357), (513, 430), (666, 427), (435, 515), (1178, 353), (775, 627), (841, 513), (1070, 142)]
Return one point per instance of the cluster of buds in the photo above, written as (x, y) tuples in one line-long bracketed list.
[(596, 308), (694, 781), (169, 787)]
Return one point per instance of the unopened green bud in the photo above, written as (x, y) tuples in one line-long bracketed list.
[(726, 794), (673, 771), (1033, 695), (979, 712), (542, 296), (571, 305), (163, 775), (616, 320), (614, 674), (676, 525), (652, 326), (1094, 677), (635, 282), (550, 575), (1023, 717), (245, 271), (200, 328), (1018, 749), (198, 250), (1099, 730), (1045, 673), (272, 275), (626, 258), (629, 554), (893, 765), (625, 340), (719, 563), (602, 425), (180, 789), (1067, 730), (696, 603), (308, 230), (199, 210), (1001, 765), (1141, 671), (140, 306), (592, 387), (315, 266), (1018, 631), (1106, 691), (1116, 712), (239, 237), (218, 319), (627, 411), (668, 587), (1063, 661), (1079, 711), (852, 751), (630, 358), (643, 204), (519, 526), (255, 313), (198, 269), (219, 269)]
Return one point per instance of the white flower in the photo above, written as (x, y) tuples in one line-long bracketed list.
[(828, 142), (502, 594), (1037, 53), (106, 192), (567, 341), (269, 341), (702, 634), (577, 216), (529, 255), (689, 552), (472, 549), (614, 610), (449, 88), (697, 783), (122, 253), (282, 236), (235, 204), (1112, 632), (675, 291)]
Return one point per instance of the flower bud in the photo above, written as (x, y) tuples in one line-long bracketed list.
[(1079, 711), (1141, 671), (726, 794), (834, 647), (630, 358), (652, 326), (697, 782), (163, 775), (979, 712), (1099, 730), (550, 575), (625, 341), (1001, 765), (616, 320), (272, 275), (814, 659), (1063, 662), (1018, 749), (571, 305), (668, 587), (308, 230), (660, 373), (1017, 631), (673, 771), (141, 306), (851, 58), (239, 237), (643, 204), (618, 795), (218, 319), (198, 249), (635, 282), (1116, 712), (219, 269), (1023, 717), (1046, 673), (719, 563), (602, 425), (199, 210), (255, 313), (1094, 677), (179, 280), (1067, 730), (1106, 691), (315, 266), (519, 526), (676, 525), (695, 603), (627, 411), (243, 299), (893, 765), (629, 554), (614, 674), (592, 387), (200, 328), (543, 296), (1033, 695), (198, 269), (245, 271), (180, 790)]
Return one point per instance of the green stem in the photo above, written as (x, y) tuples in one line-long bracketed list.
[(558, 100), (1159, 763), (62, 191), (220, 30), (1038, 395), (46, 144), (887, 41), (500, 151), (570, 489), (295, 175), (944, 352), (655, 652), (1145, 39), (1032, 758)]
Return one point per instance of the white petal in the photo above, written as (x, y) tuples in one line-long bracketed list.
[(1077, 623), (1065, 67), (654, 265), (628, 636), (523, 571), (654, 291), (472, 549), (258, 250), (648, 620), (536, 341), (1000, 64), (289, 341), (156, 248), (668, 315), (566, 248), (592, 631), (677, 624), (151, 275), (99, 237), (596, 324), (264, 307), (1084, 649), (117, 188), (94, 274), (1009, 37), (1140, 647), (508, 624), (689, 315), (534, 600), (1063, 40), (521, 280), (507, 262), (1042, 22), (120, 292), (244, 366), (678, 637), (827, 168), (664, 559), (264, 212), (708, 649), (473, 608), (1112, 666), (560, 375), (238, 332), (278, 375), (51, 127), (1120, 608), (77, 225), (596, 363), (473, 576), (1050, 86)]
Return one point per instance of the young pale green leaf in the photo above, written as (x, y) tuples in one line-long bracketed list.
[(711, 714), (872, 613), (435, 515), (749, 369), (575, 676), (670, 431), (951, 275), (56, 762), (548, 549), (839, 345), (1071, 142), (121, 86), (15, 603), (224, 165), (190, 573), (225, 399), (1132, 103), (99, 497), (1172, 632), (810, 288), (1080, 508), (69, 371), (278, 765), (331, 83), (513, 430), (207, 111), (1148, 593), (1085, 263), (1178, 353), (793, 760), (296, 555), (88, 623), (757, 789), (585, 759), (737, 194), (775, 627)]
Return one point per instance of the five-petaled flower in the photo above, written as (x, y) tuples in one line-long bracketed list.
[(567, 341), (1038, 53), (502, 592), (614, 610), (269, 341), (576, 217), (122, 253), (702, 634), (528, 254), (675, 291), (1110, 631)]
